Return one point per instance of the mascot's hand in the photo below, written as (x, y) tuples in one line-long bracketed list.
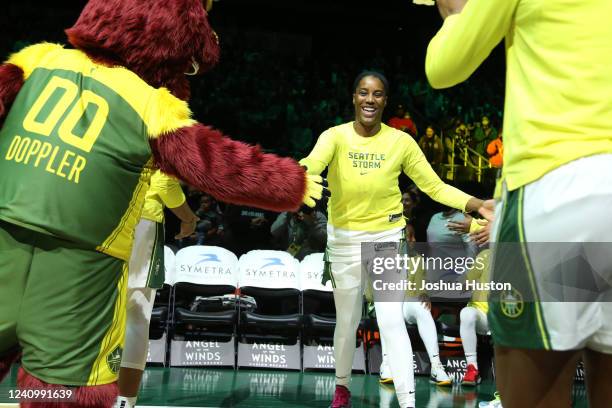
[(316, 189)]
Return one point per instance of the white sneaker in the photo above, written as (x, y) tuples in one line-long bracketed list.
[(496, 403), (439, 376), (385, 373)]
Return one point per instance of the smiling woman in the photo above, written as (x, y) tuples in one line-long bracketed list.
[(369, 99), (365, 158)]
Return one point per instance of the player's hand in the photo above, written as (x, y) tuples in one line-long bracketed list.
[(482, 236), (316, 189), (460, 227), (187, 228), (487, 210), (450, 7)]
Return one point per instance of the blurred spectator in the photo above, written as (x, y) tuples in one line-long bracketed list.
[(403, 122), (495, 150), (458, 139), (248, 228), (484, 134), (210, 229), (409, 201), (301, 233), (432, 147)]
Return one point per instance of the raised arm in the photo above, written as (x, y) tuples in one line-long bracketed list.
[(171, 194), (419, 170), (321, 155), (232, 171), (466, 38)]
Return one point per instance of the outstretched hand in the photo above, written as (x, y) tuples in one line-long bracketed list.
[(460, 227), (487, 210), (316, 189), (187, 228), (482, 236)]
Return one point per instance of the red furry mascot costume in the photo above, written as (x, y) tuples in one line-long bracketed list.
[(81, 131)]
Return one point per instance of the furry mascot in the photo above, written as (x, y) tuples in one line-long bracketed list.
[(82, 129)]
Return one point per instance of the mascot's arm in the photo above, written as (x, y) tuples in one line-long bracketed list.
[(234, 172), (11, 81)]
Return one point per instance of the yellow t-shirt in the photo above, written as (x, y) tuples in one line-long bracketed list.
[(558, 80), (164, 191), (363, 173)]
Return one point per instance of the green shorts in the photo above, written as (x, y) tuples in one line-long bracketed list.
[(553, 245), (63, 305)]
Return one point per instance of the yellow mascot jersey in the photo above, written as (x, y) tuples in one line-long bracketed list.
[(74, 149)]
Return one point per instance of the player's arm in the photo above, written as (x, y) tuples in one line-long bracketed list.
[(171, 194), (419, 170), (189, 220), (466, 38), (321, 155)]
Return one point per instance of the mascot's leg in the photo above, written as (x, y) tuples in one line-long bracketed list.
[(15, 258), (99, 396), (72, 323)]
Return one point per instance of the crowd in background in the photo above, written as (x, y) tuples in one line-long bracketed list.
[(283, 101)]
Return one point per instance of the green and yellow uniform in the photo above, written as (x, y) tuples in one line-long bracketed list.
[(557, 111), (75, 162)]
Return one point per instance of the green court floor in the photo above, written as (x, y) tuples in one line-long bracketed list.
[(205, 387)]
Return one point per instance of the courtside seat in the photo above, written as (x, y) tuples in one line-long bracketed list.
[(320, 319), (272, 279), (318, 302), (205, 294), (159, 315)]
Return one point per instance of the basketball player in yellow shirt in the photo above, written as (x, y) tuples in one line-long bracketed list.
[(556, 188), (364, 159)]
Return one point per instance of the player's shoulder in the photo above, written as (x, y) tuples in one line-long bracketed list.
[(337, 132), (342, 129), (397, 135)]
